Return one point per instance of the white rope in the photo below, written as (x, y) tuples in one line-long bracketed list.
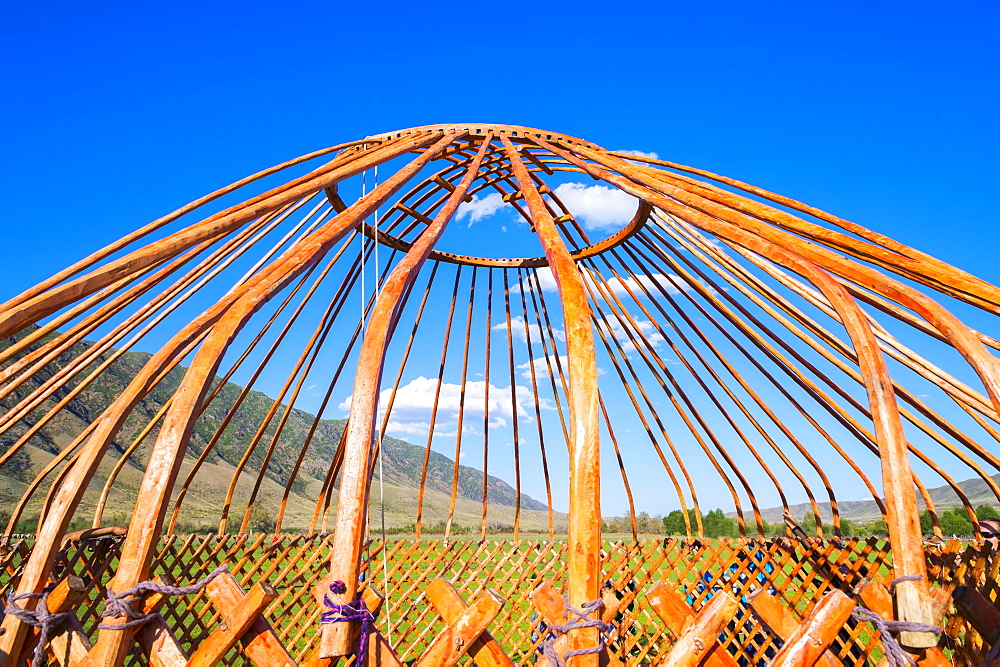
[(378, 435)]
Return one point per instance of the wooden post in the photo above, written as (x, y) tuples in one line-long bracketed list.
[(782, 622), (238, 621), (64, 597), (352, 505), (449, 646), (877, 598), (551, 607), (584, 553), (160, 646), (260, 643), (809, 641), (450, 605), (902, 516)]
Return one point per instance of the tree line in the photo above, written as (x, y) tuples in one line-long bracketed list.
[(716, 524)]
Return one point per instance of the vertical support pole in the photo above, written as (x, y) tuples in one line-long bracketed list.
[(584, 447), (352, 506)]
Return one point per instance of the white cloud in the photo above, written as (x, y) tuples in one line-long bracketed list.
[(521, 331), (481, 207), (541, 365), (640, 153), (640, 329), (546, 279), (597, 207), (411, 409), (671, 283)]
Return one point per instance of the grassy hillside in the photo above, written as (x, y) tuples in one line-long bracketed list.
[(403, 461), (944, 497)]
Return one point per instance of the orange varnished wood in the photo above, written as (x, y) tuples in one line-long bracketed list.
[(584, 436), (810, 640), (356, 476), (450, 605), (696, 641), (782, 622)]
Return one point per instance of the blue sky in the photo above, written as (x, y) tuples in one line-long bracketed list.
[(883, 113)]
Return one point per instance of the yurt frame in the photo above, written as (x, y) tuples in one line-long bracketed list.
[(311, 599)]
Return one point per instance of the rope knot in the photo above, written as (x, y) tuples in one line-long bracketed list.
[(118, 605), (895, 655), (582, 620), (39, 617), (350, 611)]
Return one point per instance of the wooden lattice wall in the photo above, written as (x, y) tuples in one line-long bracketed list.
[(294, 563)]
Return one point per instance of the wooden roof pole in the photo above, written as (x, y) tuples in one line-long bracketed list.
[(897, 477), (956, 282), (352, 505), (112, 647), (696, 209), (16, 318), (109, 250), (584, 449), (79, 476)]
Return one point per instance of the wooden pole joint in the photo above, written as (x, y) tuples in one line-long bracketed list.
[(697, 634), (466, 628), (553, 610)]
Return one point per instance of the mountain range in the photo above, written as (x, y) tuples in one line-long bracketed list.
[(864, 511), (402, 464)]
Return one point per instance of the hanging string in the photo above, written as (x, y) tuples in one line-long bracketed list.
[(378, 435)]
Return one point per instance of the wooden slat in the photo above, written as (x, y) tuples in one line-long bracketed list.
[(158, 643), (695, 642), (455, 641), (810, 640), (260, 643), (446, 600), (782, 622), (675, 612), (979, 612)]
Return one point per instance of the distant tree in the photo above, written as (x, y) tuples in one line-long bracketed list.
[(777, 529), (955, 522), (718, 524), (878, 528), (926, 523), (847, 528), (27, 526), (987, 512), (261, 520), (673, 523)]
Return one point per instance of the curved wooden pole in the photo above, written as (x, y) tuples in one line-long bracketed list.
[(845, 349), (352, 506), (165, 220), (710, 216), (15, 318), (956, 282), (164, 463), (584, 448), (786, 365), (286, 268), (900, 497)]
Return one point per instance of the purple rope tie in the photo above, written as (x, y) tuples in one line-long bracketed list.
[(582, 620), (894, 653), (350, 611), (39, 617), (120, 604)]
